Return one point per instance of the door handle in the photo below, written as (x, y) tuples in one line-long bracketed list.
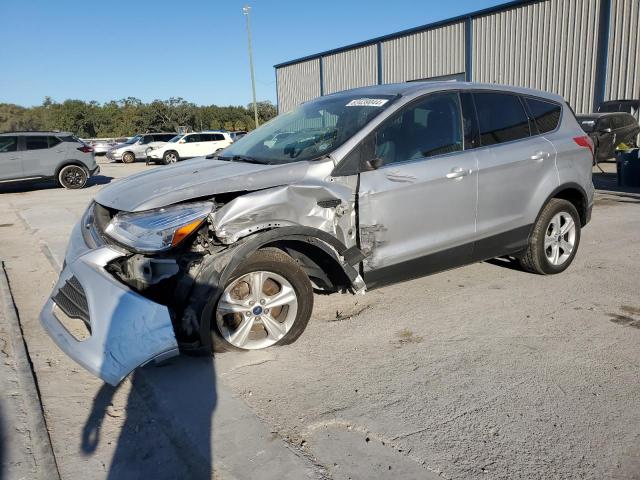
[(458, 172), (540, 156)]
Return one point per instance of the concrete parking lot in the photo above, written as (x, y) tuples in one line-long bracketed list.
[(480, 372)]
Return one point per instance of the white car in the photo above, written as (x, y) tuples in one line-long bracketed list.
[(190, 145)]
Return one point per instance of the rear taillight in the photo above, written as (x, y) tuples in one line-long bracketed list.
[(85, 149), (585, 142)]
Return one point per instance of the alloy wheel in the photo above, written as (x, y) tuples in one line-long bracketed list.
[(560, 238), (257, 310)]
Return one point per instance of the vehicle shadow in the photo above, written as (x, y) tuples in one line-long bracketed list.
[(505, 262), (30, 186), (168, 417)]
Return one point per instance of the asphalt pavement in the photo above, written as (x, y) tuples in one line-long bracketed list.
[(480, 372)]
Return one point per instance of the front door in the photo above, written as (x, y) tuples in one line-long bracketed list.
[(417, 211), (192, 146)]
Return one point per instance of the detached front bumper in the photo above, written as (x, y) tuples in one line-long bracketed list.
[(125, 329)]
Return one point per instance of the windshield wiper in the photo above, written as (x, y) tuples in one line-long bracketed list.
[(237, 158)]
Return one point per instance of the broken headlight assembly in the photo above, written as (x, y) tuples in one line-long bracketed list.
[(158, 230)]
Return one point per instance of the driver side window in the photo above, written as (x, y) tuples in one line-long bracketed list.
[(425, 129)]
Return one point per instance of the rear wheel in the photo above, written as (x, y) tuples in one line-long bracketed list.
[(555, 238), (267, 302), (170, 157), (128, 157), (73, 177)]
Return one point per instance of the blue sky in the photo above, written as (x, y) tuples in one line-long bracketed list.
[(195, 49)]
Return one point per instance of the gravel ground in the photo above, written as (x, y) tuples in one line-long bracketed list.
[(480, 372)]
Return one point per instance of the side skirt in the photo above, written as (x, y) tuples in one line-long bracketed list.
[(507, 243)]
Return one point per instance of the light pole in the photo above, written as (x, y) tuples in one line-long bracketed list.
[(245, 11)]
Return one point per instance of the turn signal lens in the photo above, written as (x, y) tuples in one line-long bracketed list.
[(585, 142), (184, 232)]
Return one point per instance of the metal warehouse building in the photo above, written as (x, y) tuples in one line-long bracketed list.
[(585, 50)]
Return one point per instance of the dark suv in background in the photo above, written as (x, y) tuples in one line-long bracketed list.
[(40, 155)]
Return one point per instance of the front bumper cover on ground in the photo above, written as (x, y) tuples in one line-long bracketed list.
[(127, 330)]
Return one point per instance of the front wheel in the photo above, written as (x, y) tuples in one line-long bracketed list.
[(170, 157), (267, 302), (73, 177), (555, 238)]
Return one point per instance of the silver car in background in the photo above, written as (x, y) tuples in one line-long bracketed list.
[(137, 147), (369, 187), (60, 156)]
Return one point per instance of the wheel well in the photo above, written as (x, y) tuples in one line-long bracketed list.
[(577, 198), (323, 269), (71, 162)]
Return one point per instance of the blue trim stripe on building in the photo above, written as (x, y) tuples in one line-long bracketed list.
[(602, 54)]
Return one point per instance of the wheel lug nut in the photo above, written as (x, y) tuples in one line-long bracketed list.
[(248, 314), (251, 302), (263, 301), (266, 310)]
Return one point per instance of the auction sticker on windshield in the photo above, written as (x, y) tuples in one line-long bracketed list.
[(367, 102)]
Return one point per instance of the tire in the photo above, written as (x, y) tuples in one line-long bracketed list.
[(546, 239), (73, 177), (280, 276), (170, 156), (128, 157)]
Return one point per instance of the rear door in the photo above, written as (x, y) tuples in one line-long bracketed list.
[(10, 158), (43, 154), (514, 164), (417, 211)]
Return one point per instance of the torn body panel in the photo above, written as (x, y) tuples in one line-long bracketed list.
[(127, 330)]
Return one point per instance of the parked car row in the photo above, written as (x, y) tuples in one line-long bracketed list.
[(229, 258)]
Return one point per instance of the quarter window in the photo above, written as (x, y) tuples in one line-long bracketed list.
[(53, 141), (218, 137), (545, 114), (8, 144), (36, 143), (501, 118), (426, 129)]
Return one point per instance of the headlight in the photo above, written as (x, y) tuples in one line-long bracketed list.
[(160, 229)]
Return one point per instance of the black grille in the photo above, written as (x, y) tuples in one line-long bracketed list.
[(72, 300)]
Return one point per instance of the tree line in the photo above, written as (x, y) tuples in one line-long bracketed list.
[(129, 116)]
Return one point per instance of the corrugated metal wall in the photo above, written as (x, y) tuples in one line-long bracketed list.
[(547, 45), (433, 53), (623, 64), (350, 69), (297, 83)]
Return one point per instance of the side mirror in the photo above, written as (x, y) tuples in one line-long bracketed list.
[(375, 163)]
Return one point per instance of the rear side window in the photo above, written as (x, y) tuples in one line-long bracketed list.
[(218, 137), (36, 142), (501, 118), (545, 114), (8, 144), (53, 141)]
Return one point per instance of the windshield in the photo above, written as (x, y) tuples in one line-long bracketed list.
[(311, 130), (133, 140), (176, 139)]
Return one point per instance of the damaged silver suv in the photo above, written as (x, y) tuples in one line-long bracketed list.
[(348, 192)]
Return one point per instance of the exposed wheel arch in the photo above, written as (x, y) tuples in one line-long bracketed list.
[(319, 253), (573, 193)]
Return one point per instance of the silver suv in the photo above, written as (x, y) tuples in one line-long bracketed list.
[(42, 155), (369, 187), (137, 148)]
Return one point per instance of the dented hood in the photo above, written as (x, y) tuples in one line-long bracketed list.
[(196, 178)]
